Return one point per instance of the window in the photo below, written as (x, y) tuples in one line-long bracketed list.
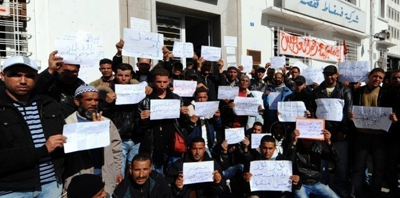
[(13, 36), (352, 48), (382, 8)]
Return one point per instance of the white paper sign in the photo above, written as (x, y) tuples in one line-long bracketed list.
[(372, 117), (129, 94), (274, 98), (183, 50), (230, 41), (143, 44), (185, 88), (313, 74), (86, 135), (289, 111), (198, 172), (206, 109), (300, 65), (310, 128), (354, 71), (227, 92), (76, 50), (278, 62), (140, 25), (259, 96), (211, 53), (230, 50), (164, 109), (246, 106), (271, 175), (231, 59), (330, 109), (234, 135), (247, 63), (256, 139)]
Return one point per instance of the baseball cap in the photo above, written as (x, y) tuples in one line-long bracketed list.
[(330, 69), (300, 79), (20, 60)]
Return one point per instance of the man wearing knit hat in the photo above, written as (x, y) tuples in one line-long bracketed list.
[(31, 142), (101, 161), (86, 186)]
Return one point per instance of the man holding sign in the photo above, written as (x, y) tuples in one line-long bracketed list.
[(331, 88), (31, 146), (267, 152), (176, 178), (370, 140), (104, 161), (163, 132), (306, 156)]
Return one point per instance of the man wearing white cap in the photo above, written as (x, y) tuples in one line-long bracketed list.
[(31, 142), (59, 81)]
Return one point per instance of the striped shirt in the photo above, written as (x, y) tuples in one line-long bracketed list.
[(32, 118)]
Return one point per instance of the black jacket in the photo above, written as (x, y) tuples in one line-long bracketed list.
[(340, 92), (307, 161), (123, 116), (203, 190), (254, 155), (158, 188), (19, 159), (52, 86), (160, 132)]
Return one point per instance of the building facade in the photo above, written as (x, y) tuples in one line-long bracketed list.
[(317, 32)]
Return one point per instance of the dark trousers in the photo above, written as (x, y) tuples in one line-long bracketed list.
[(375, 145), (393, 154)]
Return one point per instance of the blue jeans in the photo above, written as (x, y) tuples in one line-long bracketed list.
[(232, 170), (319, 189), (49, 190), (129, 150), (168, 161)]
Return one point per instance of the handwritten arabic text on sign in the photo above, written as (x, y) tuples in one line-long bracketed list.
[(184, 88), (309, 47), (227, 92), (164, 109), (271, 175), (330, 109), (86, 135), (234, 135), (143, 44), (198, 172), (206, 109), (372, 117), (289, 111), (129, 94), (310, 128), (246, 106)]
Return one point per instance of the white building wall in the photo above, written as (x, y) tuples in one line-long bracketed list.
[(50, 19)]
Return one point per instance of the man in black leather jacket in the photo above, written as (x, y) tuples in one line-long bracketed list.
[(332, 88), (160, 134), (306, 157)]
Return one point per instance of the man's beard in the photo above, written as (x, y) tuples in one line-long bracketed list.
[(85, 113)]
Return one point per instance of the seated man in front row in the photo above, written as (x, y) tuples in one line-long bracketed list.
[(197, 153), (267, 151), (306, 157), (142, 182)]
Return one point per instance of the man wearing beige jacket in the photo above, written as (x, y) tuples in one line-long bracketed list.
[(106, 161)]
